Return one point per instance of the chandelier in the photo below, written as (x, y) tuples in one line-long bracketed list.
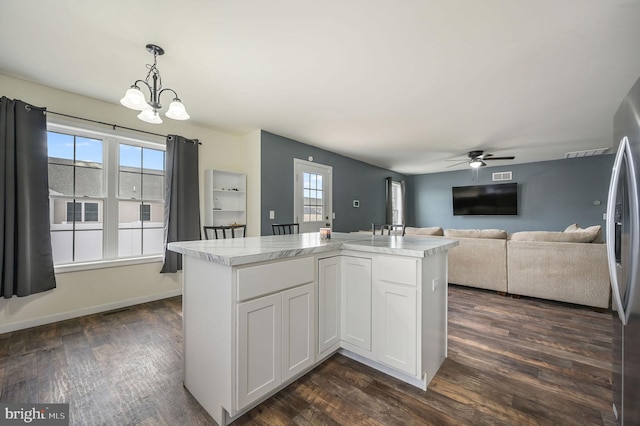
[(135, 99)]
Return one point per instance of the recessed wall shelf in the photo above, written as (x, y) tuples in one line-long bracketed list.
[(225, 198)]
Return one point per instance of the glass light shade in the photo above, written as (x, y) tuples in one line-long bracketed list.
[(177, 111), (134, 99), (150, 116), (476, 163)]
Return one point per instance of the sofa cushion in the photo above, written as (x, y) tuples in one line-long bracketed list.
[(498, 234), (595, 231), (553, 237), (433, 230), (572, 228)]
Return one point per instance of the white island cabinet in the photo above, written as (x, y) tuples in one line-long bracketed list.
[(260, 312)]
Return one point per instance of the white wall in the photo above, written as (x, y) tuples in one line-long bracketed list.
[(252, 160), (84, 292)]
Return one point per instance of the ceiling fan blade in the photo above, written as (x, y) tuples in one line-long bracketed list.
[(457, 164), (500, 158)]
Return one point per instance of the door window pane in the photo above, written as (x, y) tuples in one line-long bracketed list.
[(313, 197)]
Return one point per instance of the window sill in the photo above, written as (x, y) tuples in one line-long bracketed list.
[(85, 266)]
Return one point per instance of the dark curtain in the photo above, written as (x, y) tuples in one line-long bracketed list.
[(390, 206), (389, 215), (181, 198), (26, 261), (403, 217)]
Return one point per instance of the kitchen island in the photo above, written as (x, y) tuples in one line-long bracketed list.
[(260, 312)]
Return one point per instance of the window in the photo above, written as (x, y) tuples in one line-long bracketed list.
[(82, 212), (76, 170), (106, 195), (145, 212), (397, 202), (140, 191)]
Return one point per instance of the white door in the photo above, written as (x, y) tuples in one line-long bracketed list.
[(356, 301), (259, 348), (298, 335), (312, 207), (328, 303)]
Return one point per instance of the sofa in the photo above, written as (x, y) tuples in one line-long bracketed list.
[(567, 266)]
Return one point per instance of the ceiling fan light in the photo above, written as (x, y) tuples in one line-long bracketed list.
[(177, 110), (476, 163), (150, 116), (134, 99)]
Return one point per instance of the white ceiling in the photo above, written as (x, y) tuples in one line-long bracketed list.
[(405, 85)]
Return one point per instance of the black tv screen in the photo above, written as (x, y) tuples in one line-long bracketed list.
[(500, 199)]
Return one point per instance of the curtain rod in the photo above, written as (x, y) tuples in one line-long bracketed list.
[(114, 126)]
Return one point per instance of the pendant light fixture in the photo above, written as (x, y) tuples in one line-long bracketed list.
[(135, 99)]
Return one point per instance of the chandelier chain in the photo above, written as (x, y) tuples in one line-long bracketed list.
[(153, 69)]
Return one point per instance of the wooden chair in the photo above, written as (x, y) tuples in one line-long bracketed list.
[(285, 228), (392, 229), (218, 232), (238, 231), (232, 230)]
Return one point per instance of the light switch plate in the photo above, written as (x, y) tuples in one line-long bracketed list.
[(356, 203), (436, 284), (272, 214)]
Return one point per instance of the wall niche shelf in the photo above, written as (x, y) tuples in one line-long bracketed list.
[(225, 198)]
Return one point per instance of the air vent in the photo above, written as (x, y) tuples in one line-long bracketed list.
[(497, 177), (586, 153)]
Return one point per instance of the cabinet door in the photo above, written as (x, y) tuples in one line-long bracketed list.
[(298, 335), (396, 312), (356, 301), (259, 348), (328, 303)]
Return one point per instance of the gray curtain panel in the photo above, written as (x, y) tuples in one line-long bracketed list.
[(26, 261), (389, 214), (181, 198), (403, 219)]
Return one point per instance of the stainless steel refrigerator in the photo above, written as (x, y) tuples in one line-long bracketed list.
[(623, 242)]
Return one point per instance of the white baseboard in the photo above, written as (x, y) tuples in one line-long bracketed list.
[(21, 325)]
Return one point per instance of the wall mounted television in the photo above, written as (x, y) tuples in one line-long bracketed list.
[(498, 199)]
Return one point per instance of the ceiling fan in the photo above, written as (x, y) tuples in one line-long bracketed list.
[(478, 158)]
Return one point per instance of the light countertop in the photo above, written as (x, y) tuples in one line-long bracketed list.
[(240, 251)]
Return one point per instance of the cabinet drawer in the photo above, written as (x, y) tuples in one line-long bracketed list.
[(255, 281), (396, 270)]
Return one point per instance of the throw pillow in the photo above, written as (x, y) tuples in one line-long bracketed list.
[(594, 231)]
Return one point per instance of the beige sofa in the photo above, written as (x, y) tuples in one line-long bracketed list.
[(569, 266), (479, 260)]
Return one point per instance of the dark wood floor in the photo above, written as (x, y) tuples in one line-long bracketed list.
[(511, 362)]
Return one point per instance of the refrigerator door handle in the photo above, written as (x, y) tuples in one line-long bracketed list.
[(611, 232), (634, 217)]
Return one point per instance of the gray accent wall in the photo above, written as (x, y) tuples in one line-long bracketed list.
[(352, 180), (551, 195)]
